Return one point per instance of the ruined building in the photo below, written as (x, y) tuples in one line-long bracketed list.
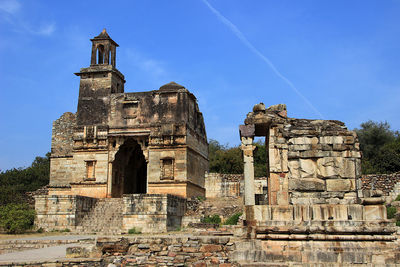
[(314, 209), (119, 144), (126, 143)]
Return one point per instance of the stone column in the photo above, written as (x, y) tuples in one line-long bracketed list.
[(109, 180), (248, 148)]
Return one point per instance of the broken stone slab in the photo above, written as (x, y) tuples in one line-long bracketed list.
[(338, 185), (373, 200), (395, 203), (307, 184), (372, 193), (374, 212), (87, 251)]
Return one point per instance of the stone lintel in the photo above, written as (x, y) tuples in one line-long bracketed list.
[(247, 130)]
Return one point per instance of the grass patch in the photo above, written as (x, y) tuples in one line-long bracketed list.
[(391, 211), (201, 198), (233, 220), (214, 219), (134, 231)]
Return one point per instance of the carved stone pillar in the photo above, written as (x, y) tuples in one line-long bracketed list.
[(248, 148), (109, 180)]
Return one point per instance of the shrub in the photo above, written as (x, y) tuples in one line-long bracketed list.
[(201, 198), (391, 211), (134, 231), (233, 220), (215, 219), (397, 198), (16, 218), (397, 223)]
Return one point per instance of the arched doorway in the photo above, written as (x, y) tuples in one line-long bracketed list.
[(129, 170)]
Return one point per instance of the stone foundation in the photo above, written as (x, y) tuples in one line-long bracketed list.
[(59, 212), (318, 253), (152, 213), (146, 212)]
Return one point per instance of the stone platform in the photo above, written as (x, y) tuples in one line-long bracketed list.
[(144, 212)]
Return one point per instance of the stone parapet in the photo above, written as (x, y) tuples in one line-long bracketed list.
[(59, 212), (223, 185), (327, 219), (153, 213)]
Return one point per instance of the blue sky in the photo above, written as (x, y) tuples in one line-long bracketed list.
[(330, 59)]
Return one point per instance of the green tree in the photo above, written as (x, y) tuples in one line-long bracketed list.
[(16, 218), (387, 160), (15, 182), (224, 159), (260, 160), (379, 145)]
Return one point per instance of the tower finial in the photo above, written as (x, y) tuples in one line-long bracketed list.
[(103, 49)]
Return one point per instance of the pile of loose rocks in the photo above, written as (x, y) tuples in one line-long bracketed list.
[(161, 251)]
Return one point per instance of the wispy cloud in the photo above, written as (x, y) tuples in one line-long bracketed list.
[(13, 16), (46, 29), (10, 6), (253, 49), (154, 68)]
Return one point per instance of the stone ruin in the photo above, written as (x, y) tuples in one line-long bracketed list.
[(314, 171), (148, 148), (314, 200), (130, 160)]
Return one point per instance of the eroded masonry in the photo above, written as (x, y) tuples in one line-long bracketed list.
[(118, 144), (314, 193)]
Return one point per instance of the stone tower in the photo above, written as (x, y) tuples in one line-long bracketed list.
[(98, 82), (127, 143)]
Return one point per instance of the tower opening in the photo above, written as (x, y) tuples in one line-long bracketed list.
[(129, 170), (100, 54)]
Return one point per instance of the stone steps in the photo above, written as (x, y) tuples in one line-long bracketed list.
[(106, 217)]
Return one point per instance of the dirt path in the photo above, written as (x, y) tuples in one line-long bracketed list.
[(41, 254)]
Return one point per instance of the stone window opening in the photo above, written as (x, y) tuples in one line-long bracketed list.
[(261, 152), (167, 169), (90, 170), (100, 54)]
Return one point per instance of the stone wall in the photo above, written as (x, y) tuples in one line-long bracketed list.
[(148, 213), (62, 135), (232, 251), (178, 250), (310, 161), (323, 161), (220, 185), (59, 212), (389, 184), (153, 213), (345, 252), (223, 185)]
